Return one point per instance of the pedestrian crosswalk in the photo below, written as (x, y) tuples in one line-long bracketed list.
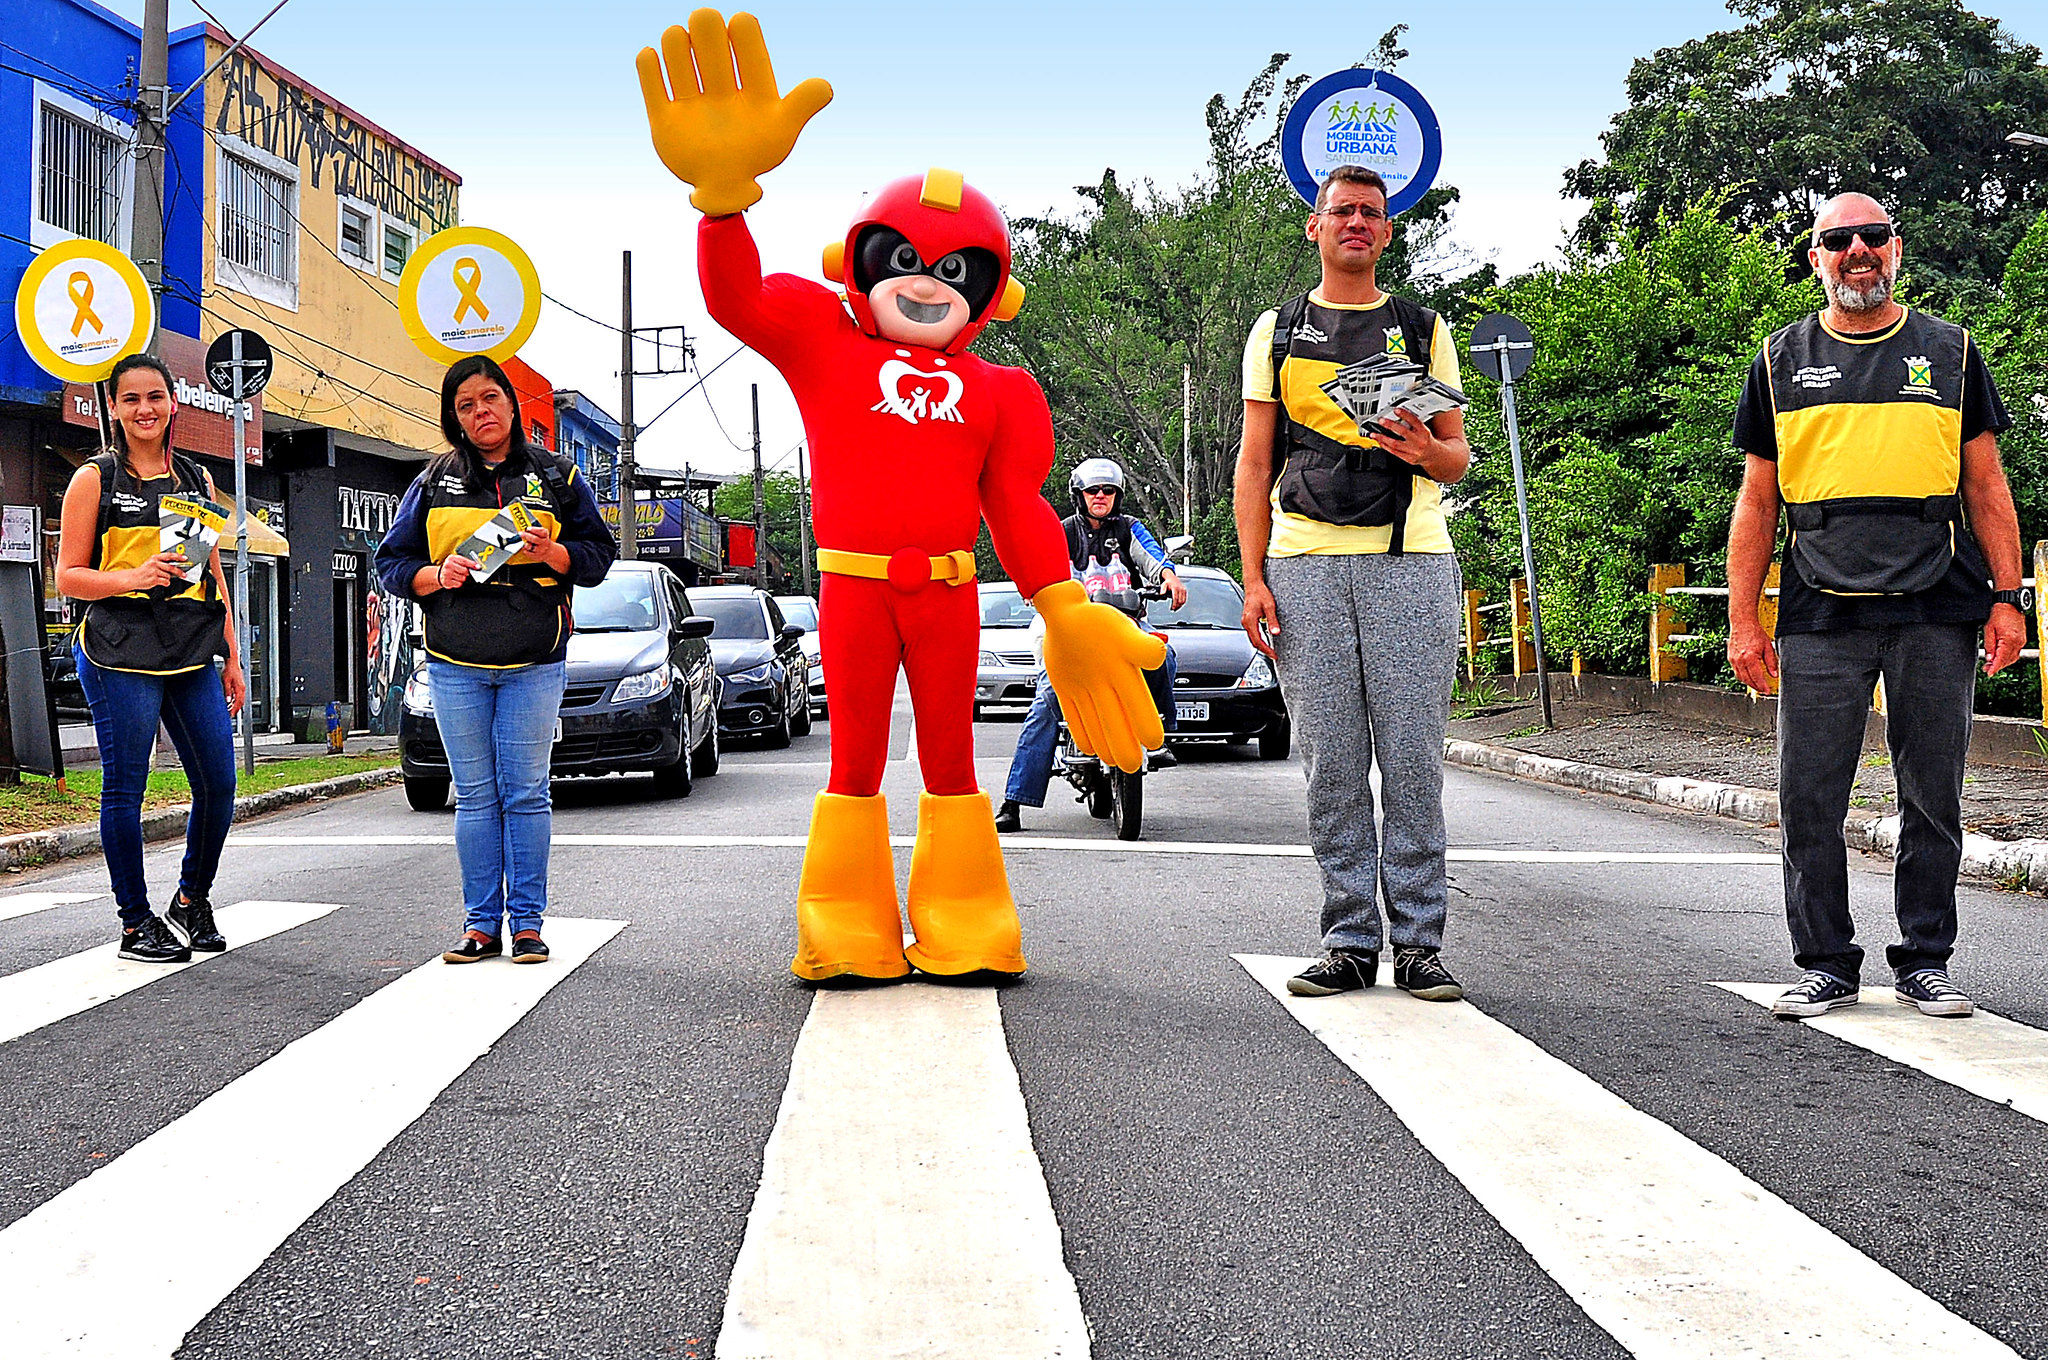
[(27, 904), (902, 1203)]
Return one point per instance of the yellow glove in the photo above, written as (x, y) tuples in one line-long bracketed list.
[(1093, 656), (717, 135)]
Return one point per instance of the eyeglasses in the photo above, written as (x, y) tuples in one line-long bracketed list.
[(1098, 491), (1345, 211), (1876, 235)]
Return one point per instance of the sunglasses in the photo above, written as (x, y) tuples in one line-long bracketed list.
[(1098, 491), (1876, 235)]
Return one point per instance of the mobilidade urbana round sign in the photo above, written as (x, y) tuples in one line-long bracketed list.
[(1368, 118)]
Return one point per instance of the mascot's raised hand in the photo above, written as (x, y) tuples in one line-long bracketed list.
[(726, 124), (1093, 656)]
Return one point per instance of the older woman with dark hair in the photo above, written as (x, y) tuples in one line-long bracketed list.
[(495, 646)]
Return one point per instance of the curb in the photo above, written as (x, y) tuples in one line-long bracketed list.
[(32, 848), (2007, 864)]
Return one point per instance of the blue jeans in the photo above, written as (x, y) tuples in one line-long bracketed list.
[(126, 708), (498, 727), (1031, 766)]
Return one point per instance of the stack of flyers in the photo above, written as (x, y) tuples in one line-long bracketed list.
[(1375, 388), (496, 540), (190, 526)]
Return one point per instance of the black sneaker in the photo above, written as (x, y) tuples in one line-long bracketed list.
[(192, 922), (152, 942), (528, 947), (1933, 993), (1008, 818), (1419, 972), (1816, 993), (1338, 970), (1161, 759), (474, 947)]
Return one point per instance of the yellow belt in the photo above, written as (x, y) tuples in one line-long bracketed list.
[(905, 570)]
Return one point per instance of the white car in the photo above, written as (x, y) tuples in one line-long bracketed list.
[(1007, 677), (802, 609)]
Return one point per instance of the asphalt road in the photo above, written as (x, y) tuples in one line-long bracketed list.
[(1223, 1181)]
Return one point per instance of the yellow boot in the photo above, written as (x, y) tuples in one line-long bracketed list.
[(846, 915), (960, 907)]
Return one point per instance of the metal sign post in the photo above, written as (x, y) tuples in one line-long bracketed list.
[(1503, 349), (237, 367)]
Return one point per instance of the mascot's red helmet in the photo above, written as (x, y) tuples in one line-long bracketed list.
[(938, 213)]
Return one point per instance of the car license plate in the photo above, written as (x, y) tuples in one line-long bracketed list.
[(1196, 711), (558, 731)]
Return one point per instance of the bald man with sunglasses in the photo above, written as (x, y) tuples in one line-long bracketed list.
[(1873, 428)]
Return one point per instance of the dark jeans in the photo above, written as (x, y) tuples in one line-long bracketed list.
[(125, 711), (1031, 765), (1929, 672)]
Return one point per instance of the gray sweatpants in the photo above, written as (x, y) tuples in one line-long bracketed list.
[(1368, 650)]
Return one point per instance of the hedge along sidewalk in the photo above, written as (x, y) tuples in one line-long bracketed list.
[(2007, 864), (30, 848)]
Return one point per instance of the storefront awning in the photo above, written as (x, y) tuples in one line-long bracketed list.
[(264, 541)]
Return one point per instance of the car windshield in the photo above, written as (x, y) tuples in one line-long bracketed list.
[(797, 610), (1005, 609), (733, 616), (1212, 603), (621, 603)]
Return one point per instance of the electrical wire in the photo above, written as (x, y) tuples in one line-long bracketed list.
[(703, 376)]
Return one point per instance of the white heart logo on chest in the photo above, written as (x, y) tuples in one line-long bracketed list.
[(917, 404)]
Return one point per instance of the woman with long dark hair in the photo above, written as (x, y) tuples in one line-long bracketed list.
[(495, 647), (145, 652)]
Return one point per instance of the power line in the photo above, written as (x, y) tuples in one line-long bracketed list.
[(703, 377)]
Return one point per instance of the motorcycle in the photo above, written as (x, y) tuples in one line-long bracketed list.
[(1110, 794)]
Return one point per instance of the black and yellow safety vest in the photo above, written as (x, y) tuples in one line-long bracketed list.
[(520, 616), (1328, 471), (1870, 452), (171, 629)]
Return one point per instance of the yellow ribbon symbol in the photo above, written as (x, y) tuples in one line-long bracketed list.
[(467, 282), (80, 287)]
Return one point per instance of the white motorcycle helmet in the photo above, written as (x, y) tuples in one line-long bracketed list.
[(1097, 472)]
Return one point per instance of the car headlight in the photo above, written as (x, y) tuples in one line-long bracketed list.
[(991, 661), (418, 697), (754, 675), (645, 685), (1258, 675)]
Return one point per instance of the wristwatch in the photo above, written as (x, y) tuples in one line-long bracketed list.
[(2021, 599)]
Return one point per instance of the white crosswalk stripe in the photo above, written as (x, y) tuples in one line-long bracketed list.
[(27, 904), (122, 1264), (45, 994), (1673, 1251), (1985, 1054)]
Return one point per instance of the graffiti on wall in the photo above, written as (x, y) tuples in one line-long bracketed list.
[(390, 655), (295, 125)]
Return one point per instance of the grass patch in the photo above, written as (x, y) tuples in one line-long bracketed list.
[(38, 805)]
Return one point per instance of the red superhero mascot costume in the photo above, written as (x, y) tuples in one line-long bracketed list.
[(891, 399)]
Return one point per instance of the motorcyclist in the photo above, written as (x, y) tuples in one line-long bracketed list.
[(1108, 551)]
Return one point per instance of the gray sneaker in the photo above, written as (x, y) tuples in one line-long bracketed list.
[(1933, 993), (1815, 994)]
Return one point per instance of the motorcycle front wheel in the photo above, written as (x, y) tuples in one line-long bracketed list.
[(1127, 800)]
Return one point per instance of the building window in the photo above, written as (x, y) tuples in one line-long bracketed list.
[(81, 176), (358, 233), (540, 434), (397, 248), (257, 217)]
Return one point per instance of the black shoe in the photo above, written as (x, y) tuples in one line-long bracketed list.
[(152, 942), (528, 947), (1931, 991), (1161, 759), (473, 948), (1815, 994), (1338, 970), (1419, 972), (191, 920), (1007, 818)]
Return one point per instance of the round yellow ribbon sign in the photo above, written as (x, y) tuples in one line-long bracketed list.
[(469, 290), (83, 307)]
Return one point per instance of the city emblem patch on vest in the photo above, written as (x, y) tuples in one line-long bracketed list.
[(1919, 378), (1397, 343)]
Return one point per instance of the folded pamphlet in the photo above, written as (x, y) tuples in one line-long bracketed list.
[(189, 526), (496, 540), (1371, 390)]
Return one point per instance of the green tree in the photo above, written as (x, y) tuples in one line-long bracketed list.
[(1910, 101), (779, 498)]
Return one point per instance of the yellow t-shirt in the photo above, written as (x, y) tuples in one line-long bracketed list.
[(1295, 535)]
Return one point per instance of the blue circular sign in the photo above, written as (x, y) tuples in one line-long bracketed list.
[(1368, 118)]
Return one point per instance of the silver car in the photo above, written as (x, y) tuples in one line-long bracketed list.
[(803, 609), (1008, 674)]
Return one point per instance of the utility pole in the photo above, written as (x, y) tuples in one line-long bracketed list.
[(803, 516), (1187, 457), (629, 507), (146, 207), (760, 505)]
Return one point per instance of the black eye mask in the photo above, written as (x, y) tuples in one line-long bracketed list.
[(883, 253)]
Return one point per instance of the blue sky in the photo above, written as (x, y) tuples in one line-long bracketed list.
[(536, 107)]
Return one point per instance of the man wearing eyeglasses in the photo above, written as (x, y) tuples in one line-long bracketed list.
[(1874, 428), (1351, 585)]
